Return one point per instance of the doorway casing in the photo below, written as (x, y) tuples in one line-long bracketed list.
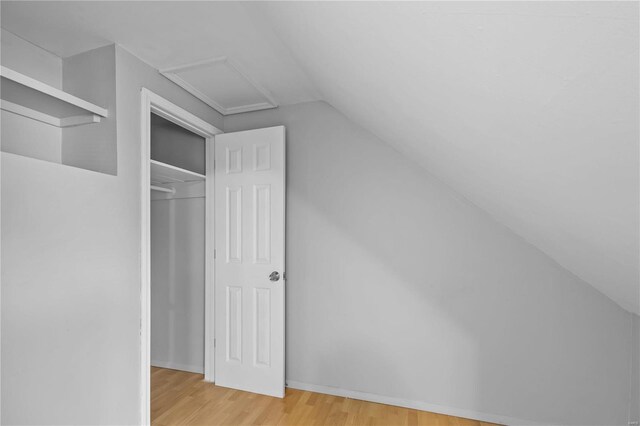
[(153, 103)]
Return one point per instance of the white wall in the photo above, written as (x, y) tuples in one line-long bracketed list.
[(634, 394), (92, 76), (529, 109), (24, 136), (20, 135), (31, 60), (64, 322), (398, 287), (71, 274)]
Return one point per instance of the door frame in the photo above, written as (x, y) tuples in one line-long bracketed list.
[(151, 102)]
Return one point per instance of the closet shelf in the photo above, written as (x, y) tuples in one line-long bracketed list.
[(34, 99), (162, 174), (163, 189)]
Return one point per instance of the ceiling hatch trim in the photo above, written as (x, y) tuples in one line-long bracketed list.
[(263, 98)]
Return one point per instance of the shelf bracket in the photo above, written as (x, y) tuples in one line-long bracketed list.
[(79, 120)]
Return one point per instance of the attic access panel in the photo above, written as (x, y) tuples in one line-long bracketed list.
[(221, 84)]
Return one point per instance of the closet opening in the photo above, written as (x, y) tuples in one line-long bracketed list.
[(177, 294), (177, 235)]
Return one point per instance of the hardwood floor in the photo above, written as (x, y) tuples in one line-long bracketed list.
[(178, 397)]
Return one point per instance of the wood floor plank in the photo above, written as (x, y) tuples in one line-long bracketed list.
[(181, 398)]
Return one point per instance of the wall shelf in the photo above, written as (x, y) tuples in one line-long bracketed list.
[(34, 99), (162, 174)]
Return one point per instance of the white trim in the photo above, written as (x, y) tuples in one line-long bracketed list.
[(172, 74), (166, 109), (177, 366), (145, 260), (209, 250), (41, 87), (416, 405), (151, 102)]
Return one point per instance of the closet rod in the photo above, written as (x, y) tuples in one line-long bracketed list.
[(163, 189)]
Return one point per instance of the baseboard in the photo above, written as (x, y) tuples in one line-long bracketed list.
[(416, 405), (176, 366)]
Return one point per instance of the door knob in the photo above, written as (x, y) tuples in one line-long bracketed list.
[(274, 276)]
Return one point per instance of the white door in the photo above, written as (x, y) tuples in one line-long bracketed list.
[(249, 228)]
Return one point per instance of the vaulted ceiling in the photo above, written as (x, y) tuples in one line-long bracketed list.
[(528, 109)]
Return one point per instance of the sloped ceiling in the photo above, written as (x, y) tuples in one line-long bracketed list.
[(528, 109)]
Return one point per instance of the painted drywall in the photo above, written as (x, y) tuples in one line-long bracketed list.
[(24, 136), (29, 59), (634, 394), (21, 135), (531, 110), (63, 313), (175, 145), (398, 287), (71, 274), (92, 76), (177, 283)]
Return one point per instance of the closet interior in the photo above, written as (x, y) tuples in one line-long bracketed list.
[(178, 167)]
